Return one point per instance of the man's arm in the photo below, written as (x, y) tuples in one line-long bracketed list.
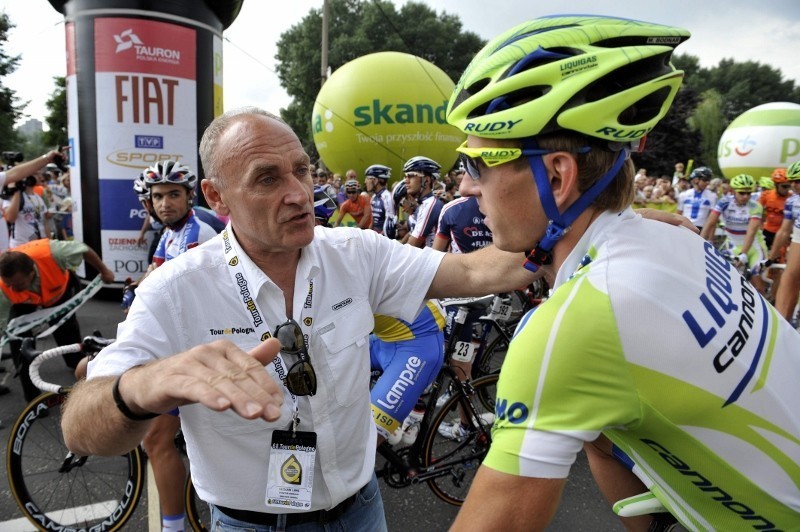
[(93, 259), (492, 504), (23, 170), (484, 271), (218, 375)]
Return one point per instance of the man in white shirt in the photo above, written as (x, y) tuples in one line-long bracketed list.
[(291, 444)]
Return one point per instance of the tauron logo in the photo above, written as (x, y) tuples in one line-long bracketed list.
[(126, 40)]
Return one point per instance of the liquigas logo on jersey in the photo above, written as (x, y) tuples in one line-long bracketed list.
[(384, 108)]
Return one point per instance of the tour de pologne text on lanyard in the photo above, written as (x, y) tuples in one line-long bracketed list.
[(290, 476), (239, 279)]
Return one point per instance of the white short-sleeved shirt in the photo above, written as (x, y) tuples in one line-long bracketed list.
[(192, 300)]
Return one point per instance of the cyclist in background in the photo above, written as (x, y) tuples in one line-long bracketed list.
[(692, 375), (383, 211), (789, 233), (773, 201), (408, 356), (741, 217), (356, 205), (419, 175), (461, 229), (696, 203), (171, 186)]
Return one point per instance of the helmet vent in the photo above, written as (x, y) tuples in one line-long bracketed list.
[(629, 76)]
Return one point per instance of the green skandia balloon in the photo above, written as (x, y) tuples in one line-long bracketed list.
[(761, 139), (384, 108)]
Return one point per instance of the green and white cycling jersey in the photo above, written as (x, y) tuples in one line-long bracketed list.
[(653, 339)]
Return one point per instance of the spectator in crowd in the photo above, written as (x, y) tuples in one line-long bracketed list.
[(678, 174), (26, 213), (697, 202)]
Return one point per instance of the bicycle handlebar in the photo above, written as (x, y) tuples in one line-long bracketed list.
[(90, 344), (56, 352)]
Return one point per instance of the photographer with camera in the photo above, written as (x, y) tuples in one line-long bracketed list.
[(14, 211)]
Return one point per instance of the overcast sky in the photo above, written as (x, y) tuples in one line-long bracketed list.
[(765, 31)]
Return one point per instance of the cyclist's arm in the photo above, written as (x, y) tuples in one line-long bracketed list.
[(218, 375), (753, 226), (441, 243), (781, 239), (414, 241), (711, 225), (344, 208), (366, 219), (491, 505)]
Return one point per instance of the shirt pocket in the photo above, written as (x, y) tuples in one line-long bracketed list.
[(229, 423), (346, 340)]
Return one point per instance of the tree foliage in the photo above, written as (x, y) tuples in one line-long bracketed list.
[(56, 120), (671, 141), (361, 27), (10, 108), (706, 104)]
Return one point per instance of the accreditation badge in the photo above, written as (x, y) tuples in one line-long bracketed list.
[(291, 470)]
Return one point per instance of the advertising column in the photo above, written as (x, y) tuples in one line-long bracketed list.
[(145, 75)]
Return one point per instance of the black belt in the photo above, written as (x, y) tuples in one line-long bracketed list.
[(318, 516)]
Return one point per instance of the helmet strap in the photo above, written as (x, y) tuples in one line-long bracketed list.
[(559, 224)]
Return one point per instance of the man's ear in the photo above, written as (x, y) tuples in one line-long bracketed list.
[(562, 168), (214, 198)]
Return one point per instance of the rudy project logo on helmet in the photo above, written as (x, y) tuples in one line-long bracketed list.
[(474, 127), (127, 40)]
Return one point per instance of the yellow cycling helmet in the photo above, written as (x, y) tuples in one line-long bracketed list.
[(743, 183), (606, 77), (793, 172)]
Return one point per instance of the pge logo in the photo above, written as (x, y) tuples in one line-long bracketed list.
[(126, 40), (744, 147)]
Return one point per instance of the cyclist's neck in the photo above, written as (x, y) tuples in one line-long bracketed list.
[(180, 223)]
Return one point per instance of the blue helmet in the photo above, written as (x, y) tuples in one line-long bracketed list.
[(324, 204), (398, 193), (702, 172), (423, 165), (379, 171)]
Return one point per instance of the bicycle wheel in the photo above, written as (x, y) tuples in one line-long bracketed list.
[(456, 458), (491, 359), (57, 490), (198, 513)]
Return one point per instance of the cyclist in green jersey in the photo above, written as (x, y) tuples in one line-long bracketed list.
[(650, 339)]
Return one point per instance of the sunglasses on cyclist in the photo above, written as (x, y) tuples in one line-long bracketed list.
[(301, 379), (495, 156)]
